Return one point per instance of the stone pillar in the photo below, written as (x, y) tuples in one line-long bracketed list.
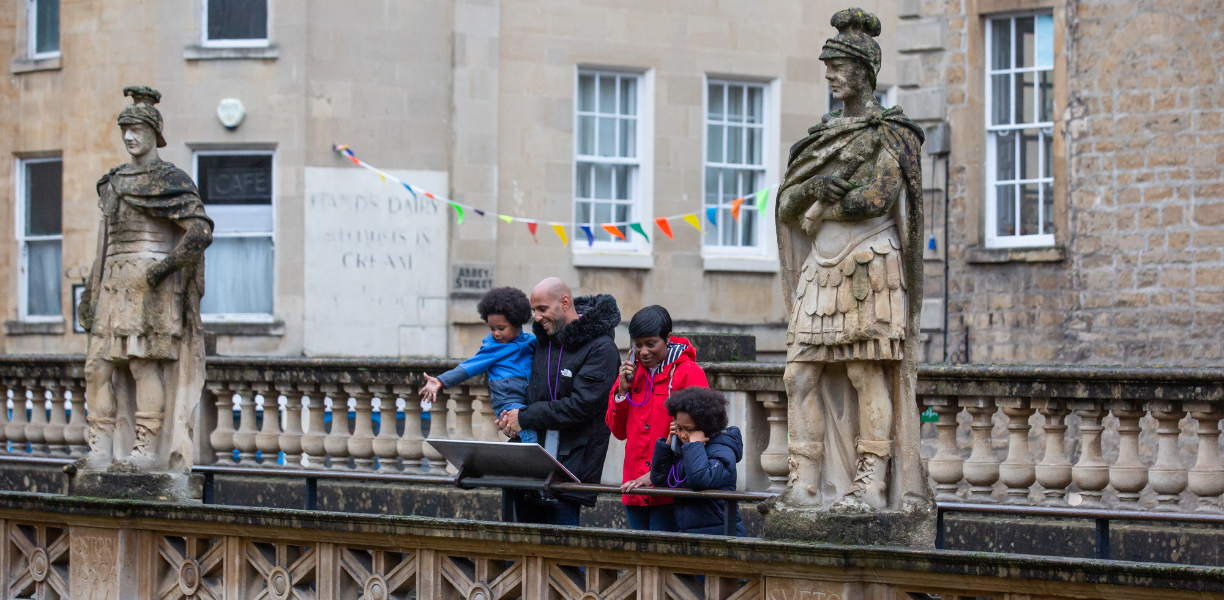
[(1018, 471), (267, 441), (1206, 478), (290, 440), (54, 432), (222, 437), (437, 431), (74, 433), (982, 468), (409, 446), (483, 420), (4, 416), (775, 459), (1090, 473), (313, 441), (1168, 475), (463, 413), (1128, 475), (361, 443), (336, 442), (1054, 470), (947, 468), (244, 438), (386, 442), (15, 429)]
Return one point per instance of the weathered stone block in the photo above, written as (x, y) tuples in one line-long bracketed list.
[(722, 347), (925, 104), (920, 36)]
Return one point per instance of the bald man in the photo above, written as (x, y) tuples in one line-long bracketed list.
[(572, 375)]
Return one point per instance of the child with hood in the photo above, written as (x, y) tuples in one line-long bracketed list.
[(658, 365), (708, 451)]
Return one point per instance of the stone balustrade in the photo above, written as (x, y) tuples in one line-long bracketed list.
[(1136, 438)]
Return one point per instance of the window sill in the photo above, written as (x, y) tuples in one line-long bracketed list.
[(197, 52), (980, 255), (742, 264), (275, 328), (613, 260), (31, 65), (34, 327)]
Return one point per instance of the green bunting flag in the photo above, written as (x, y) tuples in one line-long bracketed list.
[(458, 209), (762, 200), (638, 228)]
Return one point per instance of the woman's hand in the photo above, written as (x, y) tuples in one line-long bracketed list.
[(632, 484), (429, 392), (627, 369)]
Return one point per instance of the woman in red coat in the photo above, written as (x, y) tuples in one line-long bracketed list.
[(658, 364)]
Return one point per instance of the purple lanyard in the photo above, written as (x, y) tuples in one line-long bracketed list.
[(548, 371), (650, 377), (672, 480)]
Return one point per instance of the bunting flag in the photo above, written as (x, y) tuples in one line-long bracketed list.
[(665, 227), (531, 226), (762, 201), (735, 208), (712, 215), (383, 178), (351, 157), (694, 221), (614, 230), (506, 218), (590, 234), (410, 190), (638, 228), (478, 211), (560, 233), (456, 206)]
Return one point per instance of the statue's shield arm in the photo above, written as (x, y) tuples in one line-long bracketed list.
[(197, 236), (873, 199)]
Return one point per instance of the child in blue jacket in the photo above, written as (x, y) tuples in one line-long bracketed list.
[(505, 354), (708, 451)]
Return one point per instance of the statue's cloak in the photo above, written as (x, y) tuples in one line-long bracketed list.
[(163, 191), (903, 139)]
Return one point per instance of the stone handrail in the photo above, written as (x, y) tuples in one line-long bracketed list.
[(1052, 435)]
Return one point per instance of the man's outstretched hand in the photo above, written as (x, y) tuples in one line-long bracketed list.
[(508, 422)]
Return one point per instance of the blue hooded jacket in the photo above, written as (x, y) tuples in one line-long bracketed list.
[(698, 466), (508, 366)]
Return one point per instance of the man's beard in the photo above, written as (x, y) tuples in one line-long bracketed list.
[(558, 325)]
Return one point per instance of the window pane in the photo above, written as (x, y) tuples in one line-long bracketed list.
[(241, 218), (624, 181), (582, 180), (735, 145), (1047, 208), (1026, 102), (1046, 78), (603, 214), (1024, 42), (607, 136), (607, 94), (239, 275), (1029, 161), (603, 182), (628, 138), (235, 179), (44, 185), (586, 136), (584, 212), (1000, 44), (1005, 156), (46, 35), (1045, 40), (726, 226), (711, 186), (735, 103), (716, 101), (748, 219), (43, 285), (1029, 217), (754, 145), (714, 143), (730, 187), (756, 107), (1000, 96), (1005, 209), (586, 93), (1047, 149), (237, 19), (621, 215), (628, 103)]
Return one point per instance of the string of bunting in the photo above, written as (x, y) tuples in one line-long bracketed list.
[(759, 202)]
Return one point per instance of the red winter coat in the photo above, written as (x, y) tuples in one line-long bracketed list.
[(640, 426)]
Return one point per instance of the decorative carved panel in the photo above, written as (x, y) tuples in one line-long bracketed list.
[(274, 571), (481, 579), (190, 568), (377, 574), (38, 562)]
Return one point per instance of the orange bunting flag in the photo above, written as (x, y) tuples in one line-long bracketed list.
[(612, 229), (692, 220), (665, 227), (429, 195), (531, 226), (352, 158), (735, 208), (560, 233)]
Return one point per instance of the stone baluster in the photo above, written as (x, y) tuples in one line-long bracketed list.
[(775, 460), (437, 431), (484, 425), (36, 428), (15, 430), (1091, 472), (336, 443), (1054, 470), (1128, 475), (1206, 479), (947, 468), (1018, 471), (4, 416), (267, 441), (222, 438), (54, 432), (290, 439), (244, 438), (315, 437), (1168, 475), (982, 468), (463, 413), (409, 446), (75, 432), (387, 441), (361, 442)]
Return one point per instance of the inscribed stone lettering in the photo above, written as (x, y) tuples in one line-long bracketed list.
[(785, 588), (93, 568), (375, 264), (471, 280)]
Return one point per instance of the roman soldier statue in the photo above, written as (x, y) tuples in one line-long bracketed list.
[(145, 360)]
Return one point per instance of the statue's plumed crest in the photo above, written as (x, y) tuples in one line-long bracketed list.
[(856, 20), (142, 94), (855, 30)]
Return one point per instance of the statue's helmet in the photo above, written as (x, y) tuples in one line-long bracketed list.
[(141, 110), (855, 30)]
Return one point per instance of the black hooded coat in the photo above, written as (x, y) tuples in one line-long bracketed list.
[(572, 374)]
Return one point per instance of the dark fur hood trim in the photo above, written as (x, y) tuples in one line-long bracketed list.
[(598, 315)]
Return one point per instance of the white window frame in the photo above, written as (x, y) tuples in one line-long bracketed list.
[(992, 238), (32, 37), (206, 42), (245, 317), (23, 250), (636, 253)]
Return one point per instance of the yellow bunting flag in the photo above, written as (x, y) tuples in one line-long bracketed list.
[(560, 233), (612, 229), (506, 218), (735, 208), (694, 221)]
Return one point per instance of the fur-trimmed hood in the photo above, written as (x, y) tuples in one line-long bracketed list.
[(597, 315)]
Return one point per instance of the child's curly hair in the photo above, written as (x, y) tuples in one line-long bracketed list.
[(708, 408), (509, 302)]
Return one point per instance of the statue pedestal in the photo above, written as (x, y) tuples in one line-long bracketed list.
[(913, 528), (163, 487)]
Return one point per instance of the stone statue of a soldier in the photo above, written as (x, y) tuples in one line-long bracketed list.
[(849, 233), (145, 359)]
